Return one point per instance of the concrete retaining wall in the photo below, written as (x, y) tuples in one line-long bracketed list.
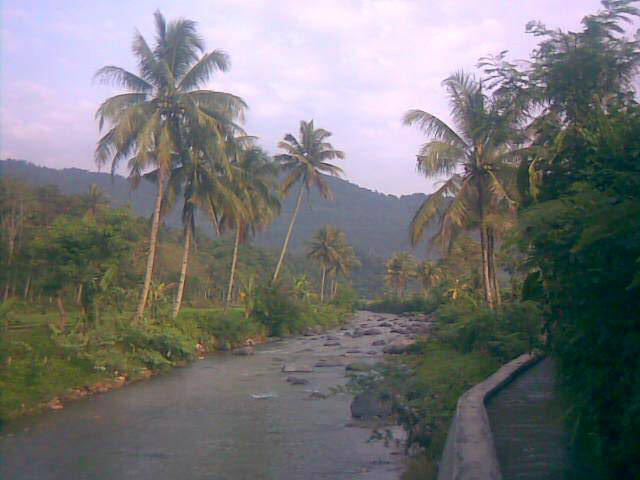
[(469, 453)]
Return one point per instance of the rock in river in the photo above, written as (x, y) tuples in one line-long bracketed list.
[(297, 381), (243, 351), (296, 368), (398, 347), (371, 331), (370, 405), (378, 343), (330, 362)]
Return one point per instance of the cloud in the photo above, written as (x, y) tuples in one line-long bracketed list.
[(355, 66)]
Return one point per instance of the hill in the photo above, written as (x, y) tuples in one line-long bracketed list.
[(375, 223)]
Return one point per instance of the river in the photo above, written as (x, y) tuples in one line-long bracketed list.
[(204, 421)]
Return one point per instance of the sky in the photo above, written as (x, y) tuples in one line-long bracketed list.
[(353, 66)]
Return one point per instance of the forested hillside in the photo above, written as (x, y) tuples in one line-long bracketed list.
[(376, 224)]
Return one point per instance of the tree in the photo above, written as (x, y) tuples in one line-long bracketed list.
[(324, 249), (14, 207), (253, 181), (305, 161), (430, 274), (400, 268), (155, 122), (479, 155)]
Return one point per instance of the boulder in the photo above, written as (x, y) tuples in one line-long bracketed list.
[(243, 351), (398, 347), (316, 395), (297, 381), (372, 331), (369, 405), (385, 324), (358, 367), (332, 344), (354, 350), (329, 362), (296, 368), (378, 343)]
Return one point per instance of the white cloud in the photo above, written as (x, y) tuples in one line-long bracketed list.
[(354, 65)]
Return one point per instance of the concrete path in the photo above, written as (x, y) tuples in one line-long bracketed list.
[(526, 421)]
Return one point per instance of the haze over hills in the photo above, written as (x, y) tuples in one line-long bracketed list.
[(375, 223)]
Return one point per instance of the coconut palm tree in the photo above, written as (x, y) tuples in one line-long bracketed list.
[(430, 274), (347, 260), (151, 125), (479, 155), (400, 268), (254, 181), (305, 161), (324, 249)]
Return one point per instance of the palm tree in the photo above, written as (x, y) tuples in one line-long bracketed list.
[(324, 249), (94, 200), (254, 182), (430, 274), (400, 268), (305, 161), (479, 157), (152, 125)]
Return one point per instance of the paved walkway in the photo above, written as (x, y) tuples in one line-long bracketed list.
[(526, 420)]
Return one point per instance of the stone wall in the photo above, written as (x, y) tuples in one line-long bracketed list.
[(469, 453)]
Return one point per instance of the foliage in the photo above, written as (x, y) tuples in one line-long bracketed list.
[(503, 333), (277, 309)]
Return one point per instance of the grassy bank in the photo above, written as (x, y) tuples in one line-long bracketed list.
[(440, 375), (39, 364)]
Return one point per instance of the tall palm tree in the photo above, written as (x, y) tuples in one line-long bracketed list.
[(152, 124), (430, 274), (254, 181), (305, 161), (346, 261), (400, 268), (324, 248), (479, 155)]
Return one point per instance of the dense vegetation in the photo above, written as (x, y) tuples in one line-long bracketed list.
[(543, 167)]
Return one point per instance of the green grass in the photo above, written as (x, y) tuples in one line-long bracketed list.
[(441, 375)]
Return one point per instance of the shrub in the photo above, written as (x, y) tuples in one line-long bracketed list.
[(277, 310), (504, 333)]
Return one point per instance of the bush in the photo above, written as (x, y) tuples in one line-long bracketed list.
[(147, 342), (346, 298), (504, 333), (277, 310), (416, 303)]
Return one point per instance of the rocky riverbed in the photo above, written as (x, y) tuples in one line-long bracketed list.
[(269, 412)]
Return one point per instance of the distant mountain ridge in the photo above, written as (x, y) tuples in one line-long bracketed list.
[(375, 223)]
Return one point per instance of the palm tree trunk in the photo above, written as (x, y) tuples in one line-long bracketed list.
[(324, 274), (27, 287), (183, 271), (233, 265), (493, 273), (487, 283), (286, 239), (61, 310), (153, 238), (79, 294)]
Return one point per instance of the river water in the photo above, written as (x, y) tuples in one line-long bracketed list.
[(204, 421)]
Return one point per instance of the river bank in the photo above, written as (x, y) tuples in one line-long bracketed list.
[(44, 370), (226, 416)]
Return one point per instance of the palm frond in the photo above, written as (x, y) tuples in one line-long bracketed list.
[(202, 70), (120, 77)]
